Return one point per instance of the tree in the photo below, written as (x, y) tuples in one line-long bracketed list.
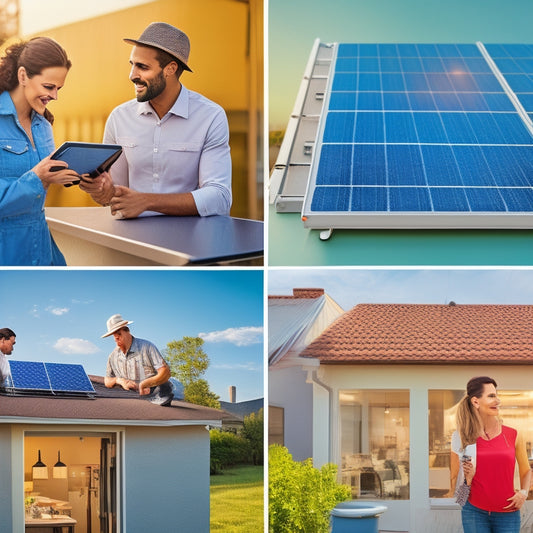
[(187, 360), (252, 431), (198, 393), (188, 363)]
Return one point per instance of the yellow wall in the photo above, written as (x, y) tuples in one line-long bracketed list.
[(227, 62)]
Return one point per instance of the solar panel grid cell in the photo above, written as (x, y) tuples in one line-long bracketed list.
[(516, 64), (425, 128)]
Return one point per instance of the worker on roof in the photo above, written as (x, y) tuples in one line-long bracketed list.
[(136, 364)]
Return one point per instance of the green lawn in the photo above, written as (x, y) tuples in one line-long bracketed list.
[(237, 500)]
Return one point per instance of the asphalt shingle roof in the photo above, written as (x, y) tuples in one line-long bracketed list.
[(419, 334), (108, 405)]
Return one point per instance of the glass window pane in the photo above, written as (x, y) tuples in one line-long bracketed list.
[(276, 428), (375, 443)]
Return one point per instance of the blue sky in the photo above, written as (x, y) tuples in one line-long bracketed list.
[(349, 287), (59, 316), (295, 24)]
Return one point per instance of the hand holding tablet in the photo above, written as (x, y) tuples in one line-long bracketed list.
[(87, 158)]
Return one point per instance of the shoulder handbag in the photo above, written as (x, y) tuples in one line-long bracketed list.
[(462, 492)]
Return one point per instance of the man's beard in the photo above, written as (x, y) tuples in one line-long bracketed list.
[(153, 89)]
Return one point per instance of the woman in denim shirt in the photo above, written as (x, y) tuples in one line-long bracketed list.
[(31, 74)]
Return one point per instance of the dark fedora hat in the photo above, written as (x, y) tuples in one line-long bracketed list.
[(168, 38)]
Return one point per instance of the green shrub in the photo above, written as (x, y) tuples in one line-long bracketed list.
[(253, 432), (227, 449), (301, 496)]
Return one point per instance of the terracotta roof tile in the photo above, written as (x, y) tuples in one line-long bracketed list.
[(415, 333)]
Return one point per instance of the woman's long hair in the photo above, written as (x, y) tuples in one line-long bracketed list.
[(469, 422), (34, 55)]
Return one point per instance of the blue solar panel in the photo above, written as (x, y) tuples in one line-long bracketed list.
[(425, 128), (52, 378), (68, 378), (29, 375)]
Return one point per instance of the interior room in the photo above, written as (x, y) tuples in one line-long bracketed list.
[(70, 476)]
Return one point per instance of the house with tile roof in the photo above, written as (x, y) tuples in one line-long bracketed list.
[(386, 380), (130, 465)]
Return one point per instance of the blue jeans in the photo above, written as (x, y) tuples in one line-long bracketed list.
[(476, 520)]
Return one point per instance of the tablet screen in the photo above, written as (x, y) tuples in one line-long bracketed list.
[(85, 158)]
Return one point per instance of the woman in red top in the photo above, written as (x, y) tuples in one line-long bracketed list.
[(493, 505)]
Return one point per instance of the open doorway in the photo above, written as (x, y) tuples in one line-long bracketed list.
[(71, 477)]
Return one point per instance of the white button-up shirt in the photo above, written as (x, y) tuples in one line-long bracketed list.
[(185, 151), (5, 371)]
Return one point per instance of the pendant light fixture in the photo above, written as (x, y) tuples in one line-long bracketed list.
[(39, 469), (60, 469)]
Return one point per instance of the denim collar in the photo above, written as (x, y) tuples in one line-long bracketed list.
[(7, 107)]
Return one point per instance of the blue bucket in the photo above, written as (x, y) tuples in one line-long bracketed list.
[(355, 517)]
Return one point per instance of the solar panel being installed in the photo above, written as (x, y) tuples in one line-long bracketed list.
[(68, 378), (424, 136), (48, 378), (29, 375)]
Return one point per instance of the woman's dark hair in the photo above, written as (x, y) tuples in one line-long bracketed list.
[(469, 423), (34, 55), (476, 386)]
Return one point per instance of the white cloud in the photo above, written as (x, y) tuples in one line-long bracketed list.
[(249, 366), (244, 336), (58, 311), (66, 345)]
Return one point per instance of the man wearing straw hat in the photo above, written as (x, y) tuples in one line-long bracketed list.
[(176, 156), (136, 364)]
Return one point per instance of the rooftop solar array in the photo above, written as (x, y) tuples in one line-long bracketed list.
[(424, 135), (48, 378)]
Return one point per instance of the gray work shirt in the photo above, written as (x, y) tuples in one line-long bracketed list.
[(142, 361)]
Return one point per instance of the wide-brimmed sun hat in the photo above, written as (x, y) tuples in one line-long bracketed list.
[(168, 38), (114, 323)]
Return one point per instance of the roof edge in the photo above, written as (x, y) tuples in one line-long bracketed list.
[(427, 362), (104, 422)]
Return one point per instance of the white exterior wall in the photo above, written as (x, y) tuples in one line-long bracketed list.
[(167, 479), (419, 514), (8, 493), (321, 425), (287, 388)]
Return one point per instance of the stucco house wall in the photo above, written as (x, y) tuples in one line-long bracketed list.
[(167, 479)]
